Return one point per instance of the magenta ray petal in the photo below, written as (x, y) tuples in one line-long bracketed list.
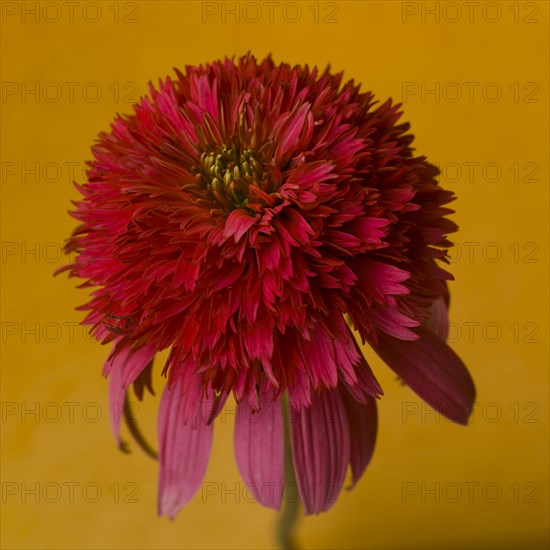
[(123, 367), (259, 450), (432, 370), (320, 450), (363, 426), (184, 450)]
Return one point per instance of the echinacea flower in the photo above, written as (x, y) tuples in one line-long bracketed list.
[(248, 216)]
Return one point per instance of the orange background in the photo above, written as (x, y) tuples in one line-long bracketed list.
[(431, 484)]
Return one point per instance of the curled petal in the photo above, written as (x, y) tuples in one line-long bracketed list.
[(123, 367)]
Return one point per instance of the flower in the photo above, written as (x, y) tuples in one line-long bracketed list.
[(247, 216)]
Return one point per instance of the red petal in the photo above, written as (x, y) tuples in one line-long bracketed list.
[(291, 129), (184, 450), (363, 425), (208, 96), (296, 225), (320, 450), (238, 223), (434, 371), (259, 450), (377, 279), (438, 322), (393, 322)]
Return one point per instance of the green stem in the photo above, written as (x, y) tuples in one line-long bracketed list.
[(131, 422), (289, 515)]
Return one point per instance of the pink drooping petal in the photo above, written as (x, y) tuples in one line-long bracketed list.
[(433, 370), (123, 367), (320, 450), (363, 425), (259, 450), (184, 450)]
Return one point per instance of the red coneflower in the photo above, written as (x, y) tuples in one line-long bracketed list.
[(246, 216)]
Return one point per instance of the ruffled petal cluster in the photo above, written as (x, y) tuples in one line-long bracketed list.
[(248, 216)]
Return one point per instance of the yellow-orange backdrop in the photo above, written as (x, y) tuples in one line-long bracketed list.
[(473, 77)]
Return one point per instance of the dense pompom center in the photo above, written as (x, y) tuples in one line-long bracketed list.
[(225, 175)]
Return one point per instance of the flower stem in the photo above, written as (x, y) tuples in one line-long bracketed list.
[(136, 433), (291, 508)]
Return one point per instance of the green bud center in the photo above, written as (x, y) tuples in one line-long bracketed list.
[(226, 174)]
